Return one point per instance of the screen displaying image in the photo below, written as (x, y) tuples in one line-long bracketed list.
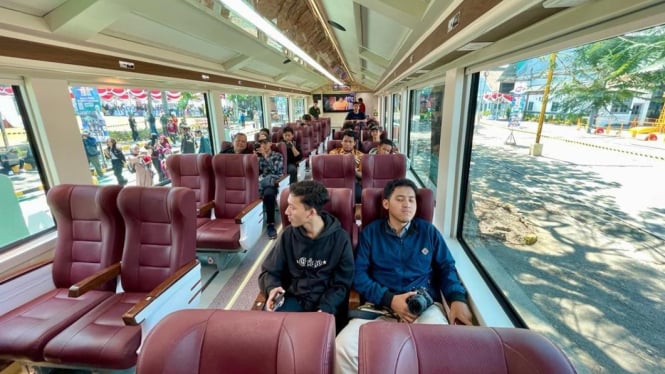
[(341, 102)]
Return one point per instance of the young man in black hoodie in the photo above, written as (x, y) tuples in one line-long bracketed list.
[(311, 264)]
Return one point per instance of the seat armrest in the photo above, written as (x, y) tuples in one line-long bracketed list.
[(259, 302), (354, 299), (205, 208), (281, 179), (94, 280), (131, 317), (240, 217), (17, 273)]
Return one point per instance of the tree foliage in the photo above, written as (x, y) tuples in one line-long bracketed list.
[(612, 72)]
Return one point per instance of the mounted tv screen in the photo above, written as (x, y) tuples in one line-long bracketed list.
[(341, 102)]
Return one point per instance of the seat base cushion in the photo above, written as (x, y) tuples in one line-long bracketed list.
[(100, 338), (219, 234), (25, 330)]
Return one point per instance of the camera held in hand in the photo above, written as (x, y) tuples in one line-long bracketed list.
[(419, 302), (289, 145)]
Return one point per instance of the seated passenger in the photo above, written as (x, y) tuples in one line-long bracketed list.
[(396, 256), (263, 134), (311, 264), (374, 134), (306, 120), (239, 145), (355, 113), (293, 154), (271, 168), (385, 147), (349, 147)]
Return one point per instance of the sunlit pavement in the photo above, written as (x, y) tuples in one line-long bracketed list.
[(593, 283)]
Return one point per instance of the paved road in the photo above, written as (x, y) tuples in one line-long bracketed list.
[(594, 281)]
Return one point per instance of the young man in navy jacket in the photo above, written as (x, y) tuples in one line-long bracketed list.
[(396, 256)]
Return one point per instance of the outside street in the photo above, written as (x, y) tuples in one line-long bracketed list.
[(593, 281)]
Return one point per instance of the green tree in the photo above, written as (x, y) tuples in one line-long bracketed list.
[(612, 72)]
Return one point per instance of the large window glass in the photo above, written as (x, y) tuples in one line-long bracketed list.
[(22, 198), (128, 133), (279, 110), (564, 203), (425, 133), (242, 113), (298, 107)]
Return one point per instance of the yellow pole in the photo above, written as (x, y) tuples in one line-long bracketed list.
[(546, 93)]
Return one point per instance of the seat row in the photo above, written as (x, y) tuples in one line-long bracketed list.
[(214, 341), (124, 258), (229, 208)]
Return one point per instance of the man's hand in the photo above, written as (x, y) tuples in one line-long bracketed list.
[(399, 307), (270, 304), (460, 314)]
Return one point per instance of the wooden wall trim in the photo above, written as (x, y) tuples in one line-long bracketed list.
[(19, 48)]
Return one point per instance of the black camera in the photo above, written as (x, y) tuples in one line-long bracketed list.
[(289, 145), (419, 302)]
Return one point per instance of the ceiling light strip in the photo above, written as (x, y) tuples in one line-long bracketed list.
[(245, 11)]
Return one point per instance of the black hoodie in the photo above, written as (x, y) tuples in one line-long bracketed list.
[(318, 272)]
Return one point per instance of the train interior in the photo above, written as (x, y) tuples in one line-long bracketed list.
[(66, 63)]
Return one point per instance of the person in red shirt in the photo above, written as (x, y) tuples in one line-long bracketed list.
[(362, 105)]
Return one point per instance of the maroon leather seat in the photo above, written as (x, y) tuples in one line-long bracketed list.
[(237, 223), (228, 341), (378, 170), (159, 249), (194, 171), (372, 205), (90, 238), (333, 144), (416, 348), (337, 171), (340, 205)]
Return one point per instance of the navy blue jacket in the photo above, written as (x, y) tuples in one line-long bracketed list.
[(387, 265)]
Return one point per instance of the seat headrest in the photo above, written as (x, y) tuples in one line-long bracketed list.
[(213, 341)]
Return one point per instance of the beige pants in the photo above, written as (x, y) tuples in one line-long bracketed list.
[(346, 355)]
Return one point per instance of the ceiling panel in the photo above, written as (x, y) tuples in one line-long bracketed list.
[(384, 36), (38, 8)]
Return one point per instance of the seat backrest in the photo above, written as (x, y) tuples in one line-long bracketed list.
[(280, 147), (334, 170), (208, 341), (418, 348), (193, 171), (378, 170), (340, 205), (160, 234), (333, 144), (372, 205), (91, 231), (236, 183)]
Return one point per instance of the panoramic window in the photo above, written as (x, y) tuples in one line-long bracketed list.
[(298, 107), (22, 198), (279, 110), (565, 205), (425, 133), (242, 113), (127, 134)]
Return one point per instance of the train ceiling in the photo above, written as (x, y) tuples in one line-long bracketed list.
[(385, 42)]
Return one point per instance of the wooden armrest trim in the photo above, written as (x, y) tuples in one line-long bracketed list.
[(130, 316), (17, 273), (238, 218), (94, 280), (259, 302), (278, 181), (205, 208), (354, 299)]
